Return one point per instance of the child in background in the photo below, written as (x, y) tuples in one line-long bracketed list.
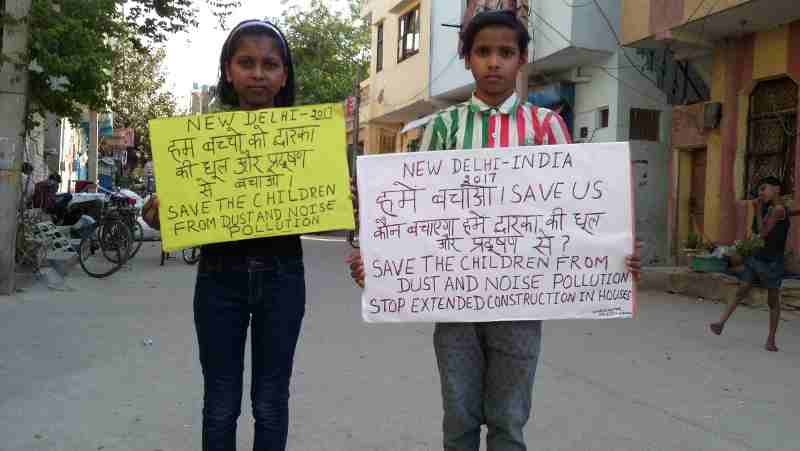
[(772, 224)]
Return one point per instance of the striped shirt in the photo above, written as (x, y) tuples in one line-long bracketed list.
[(475, 125)]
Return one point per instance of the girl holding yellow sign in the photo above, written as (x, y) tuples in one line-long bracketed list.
[(258, 282)]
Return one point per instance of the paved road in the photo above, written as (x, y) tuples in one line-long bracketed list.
[(75, 374)]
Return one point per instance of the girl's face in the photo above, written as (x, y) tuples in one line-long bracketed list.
[(256, 71)]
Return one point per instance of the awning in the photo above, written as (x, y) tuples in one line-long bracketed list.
[(417, 123)]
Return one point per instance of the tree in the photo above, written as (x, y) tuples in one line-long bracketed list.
[(138, 91), (72, 46), (330, 49)]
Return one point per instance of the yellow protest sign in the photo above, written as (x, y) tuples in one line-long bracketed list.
[(247, 174)]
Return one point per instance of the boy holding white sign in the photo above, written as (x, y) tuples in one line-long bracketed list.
[(487, 369)]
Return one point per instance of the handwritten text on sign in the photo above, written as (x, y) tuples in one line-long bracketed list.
[(247, 174), (479, 235)]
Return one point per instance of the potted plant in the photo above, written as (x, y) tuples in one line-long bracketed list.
[(692, 247), (747, 247)]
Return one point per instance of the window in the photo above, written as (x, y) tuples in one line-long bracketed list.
[(387, 142), (408, 35), (772, 134), (645, 124), (603, 117), (379, 49), (584, 132)]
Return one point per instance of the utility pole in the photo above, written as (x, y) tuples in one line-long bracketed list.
[(13, 109), (523, 14), (94, 143), (356, 118), (352, 237)]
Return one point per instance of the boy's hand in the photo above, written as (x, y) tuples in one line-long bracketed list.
[(150, 212), (356, 267), (633, 263)]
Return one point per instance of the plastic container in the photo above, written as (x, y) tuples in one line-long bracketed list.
[(708, 264)]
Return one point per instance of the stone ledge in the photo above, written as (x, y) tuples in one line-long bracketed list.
[(713, 286)]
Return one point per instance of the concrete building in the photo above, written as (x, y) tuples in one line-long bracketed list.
[(397, 90), (748, 52), (200, 98), (66, 151)]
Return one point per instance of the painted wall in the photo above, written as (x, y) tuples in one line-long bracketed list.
[(602, 91), (590, 30), (642, 19), (738, 65), (403, 83), (619, 88), (650, 164), (447, 70), (549, 20), (650, 160), (638, 90), (635, 20)]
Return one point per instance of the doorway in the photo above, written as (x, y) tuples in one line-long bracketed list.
[(691, 195)]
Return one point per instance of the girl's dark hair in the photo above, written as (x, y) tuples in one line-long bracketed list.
[(494, 18), (225, 91)]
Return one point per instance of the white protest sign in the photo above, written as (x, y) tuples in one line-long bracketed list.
[(497, 235)]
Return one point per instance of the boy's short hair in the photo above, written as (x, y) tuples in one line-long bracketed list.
[(495, 18), (770, 180)]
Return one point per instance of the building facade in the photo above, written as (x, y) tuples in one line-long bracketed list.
[(200, 98), (746, 128), (397, 90)]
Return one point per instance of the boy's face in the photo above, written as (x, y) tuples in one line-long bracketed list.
[(767, 192), (495, 60)]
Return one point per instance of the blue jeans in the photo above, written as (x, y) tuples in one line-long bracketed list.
[(267, 293), (487, 372), (769, 273)]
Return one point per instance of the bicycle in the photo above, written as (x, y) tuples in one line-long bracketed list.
[(107, 241), (130, 216), (191, 255)]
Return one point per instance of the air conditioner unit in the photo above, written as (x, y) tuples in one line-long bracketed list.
[(577, 75)]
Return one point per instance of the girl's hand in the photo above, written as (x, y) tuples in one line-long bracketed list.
[(356, 267), (633, 263), (150, 212)]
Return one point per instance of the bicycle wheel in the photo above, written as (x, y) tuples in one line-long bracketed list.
[(191, 256), (116, 240), (137, 233), (93, 259)]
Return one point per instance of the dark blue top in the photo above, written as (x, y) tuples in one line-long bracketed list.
[(775, 242)]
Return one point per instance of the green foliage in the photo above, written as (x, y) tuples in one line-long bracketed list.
[(330, 49), (139, 93), (70, 54), (695, 242), (73, 42), (748, 247)]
